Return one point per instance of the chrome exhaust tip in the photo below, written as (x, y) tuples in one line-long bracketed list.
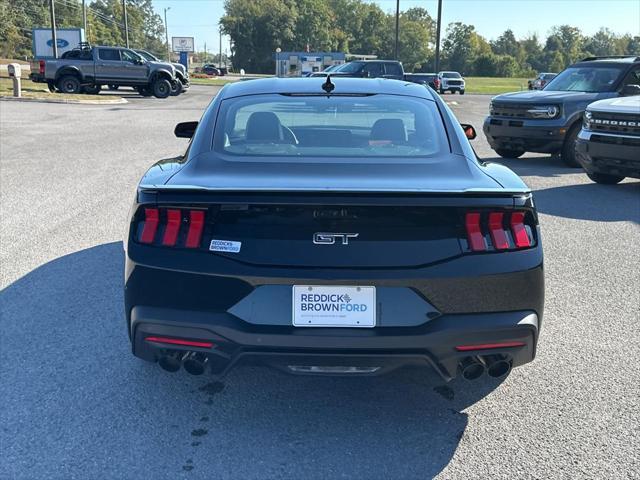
[(170, 362), (195, 363), (498, 366)]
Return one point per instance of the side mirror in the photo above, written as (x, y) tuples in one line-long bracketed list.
[(185, 129), (630, 90), (469, 131), (366, 74)]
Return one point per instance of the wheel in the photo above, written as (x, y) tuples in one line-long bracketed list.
[(52, 86), (568, 154), (507, 153), (144, 91), (69, 84), (113, 87), (461, 92), (161, 88), (176, 88), (92, 89), (441, 92), (604, 178)]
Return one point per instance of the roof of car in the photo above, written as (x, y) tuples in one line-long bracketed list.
[(313, 85), (607, 60)]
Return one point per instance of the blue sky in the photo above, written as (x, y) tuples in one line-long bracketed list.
[(199, 18)]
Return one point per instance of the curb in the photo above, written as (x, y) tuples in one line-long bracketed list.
[(60, 100)]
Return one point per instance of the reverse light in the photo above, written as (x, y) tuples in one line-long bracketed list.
[(179, 341), (489, 346)]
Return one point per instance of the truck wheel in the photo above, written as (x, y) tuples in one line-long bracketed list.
[(604, 178), (113, 87), (507, 153), (69, 84), (461, 92), (92, 89), (176, 88), (441, 92), (568, 154), (161, 88), (52, 86)]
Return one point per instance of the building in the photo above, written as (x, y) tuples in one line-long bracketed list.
[(298, 64)]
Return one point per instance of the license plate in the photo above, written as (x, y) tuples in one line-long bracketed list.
[(334, 306)]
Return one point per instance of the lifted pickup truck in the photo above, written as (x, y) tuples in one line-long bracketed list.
[(88, 68), (608, 146), (182, 75), (549, 120)]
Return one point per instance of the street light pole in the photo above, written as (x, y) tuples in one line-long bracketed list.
[(54, 36), (126, 23), (220, 48), (437, 69), (84, 17), (166, 33), (397, 25)]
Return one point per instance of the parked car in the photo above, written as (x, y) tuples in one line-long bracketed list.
[(549, 120), (210, 69), (452, 82), (367, 69), (181, 72), (332, 226), (88, 68), (430, 79), (608, 147), (541, 80)]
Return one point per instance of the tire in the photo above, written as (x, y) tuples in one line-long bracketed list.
[(69, 84), (161, 88), (144, 91), (113, 87), (507, 153), (441, 92), (176, 88), (461, 92), (52, 86), (568, 153), (92, 89), (605, 179)]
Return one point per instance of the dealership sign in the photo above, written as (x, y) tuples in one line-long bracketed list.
[(182, 44), (67, 39)]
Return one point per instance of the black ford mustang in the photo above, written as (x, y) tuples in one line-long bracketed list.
[(332, 227)]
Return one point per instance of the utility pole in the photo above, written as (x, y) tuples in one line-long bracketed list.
[(126, 24), (397, 25), (220, 57), (437, 69), (166, 33), (84, 17), (205, 52), (54, 36)]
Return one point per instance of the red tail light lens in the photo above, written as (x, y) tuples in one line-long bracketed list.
[(487, 231), (151, 219), (520, 235), (196, 225), (170, 223), (173, 227), (489, 346), (474, 233), (41, 65)]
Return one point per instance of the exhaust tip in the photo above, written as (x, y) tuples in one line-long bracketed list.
[(195, 363), (471, 368), (170, 362), (498, 366)]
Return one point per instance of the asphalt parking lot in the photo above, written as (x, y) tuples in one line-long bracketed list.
[(77, 404)]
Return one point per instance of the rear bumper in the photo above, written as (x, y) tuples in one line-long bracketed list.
[(542, 136), (609, 154), (37, 78), (298, 350)]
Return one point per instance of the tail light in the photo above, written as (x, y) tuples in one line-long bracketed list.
[(497, 231), (41, 65), (436, 83), (171, 227)]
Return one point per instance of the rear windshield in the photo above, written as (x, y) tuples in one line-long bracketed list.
[(585, 79), (335, 126)]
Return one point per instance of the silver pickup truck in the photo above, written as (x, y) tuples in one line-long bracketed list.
[(88, 68)]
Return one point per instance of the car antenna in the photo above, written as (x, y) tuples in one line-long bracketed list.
[(328, 86)]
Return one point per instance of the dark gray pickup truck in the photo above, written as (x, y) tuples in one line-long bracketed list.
[(549, 120), (88, 68)]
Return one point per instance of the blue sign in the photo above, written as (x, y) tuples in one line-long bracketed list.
[(62, 43)]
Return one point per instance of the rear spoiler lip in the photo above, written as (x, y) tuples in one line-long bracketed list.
[(493, 191)]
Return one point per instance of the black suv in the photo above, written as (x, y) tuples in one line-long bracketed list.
[(367, 69), (549, 120)]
